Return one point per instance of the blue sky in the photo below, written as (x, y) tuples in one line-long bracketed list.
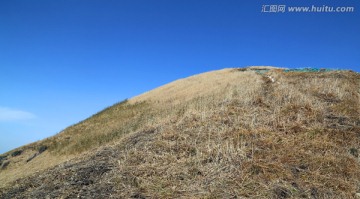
[(61, 61)]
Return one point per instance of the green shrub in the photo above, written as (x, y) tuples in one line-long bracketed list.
[(16, 153)]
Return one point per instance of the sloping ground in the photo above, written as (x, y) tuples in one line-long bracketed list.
[(232, 133), (85, 178)]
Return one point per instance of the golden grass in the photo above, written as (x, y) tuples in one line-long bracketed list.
[(253, 139), (222, 82), (102, 128), (229, 133)]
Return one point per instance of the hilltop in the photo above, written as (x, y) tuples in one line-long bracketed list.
[(256, 132)]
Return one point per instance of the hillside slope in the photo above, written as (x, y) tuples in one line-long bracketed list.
[(259, 132)]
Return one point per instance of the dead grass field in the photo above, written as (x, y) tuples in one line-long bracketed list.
[(223, 134)]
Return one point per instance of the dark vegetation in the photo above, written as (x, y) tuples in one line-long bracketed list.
[(42, 148), (16, 153)]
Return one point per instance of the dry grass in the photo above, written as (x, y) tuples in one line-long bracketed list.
[(19, 168), (231, 133), (216, 83), (251, 138), (102, 128)]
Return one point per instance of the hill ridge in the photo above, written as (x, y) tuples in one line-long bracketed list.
[(227, 133)]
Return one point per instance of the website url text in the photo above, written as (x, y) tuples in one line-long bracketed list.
[(313, 8)]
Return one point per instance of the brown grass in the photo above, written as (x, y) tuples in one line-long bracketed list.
[(231, 133)]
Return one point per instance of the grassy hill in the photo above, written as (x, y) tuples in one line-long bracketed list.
[(257, 132)]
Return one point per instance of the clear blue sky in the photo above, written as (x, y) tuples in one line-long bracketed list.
[(63, 60)]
